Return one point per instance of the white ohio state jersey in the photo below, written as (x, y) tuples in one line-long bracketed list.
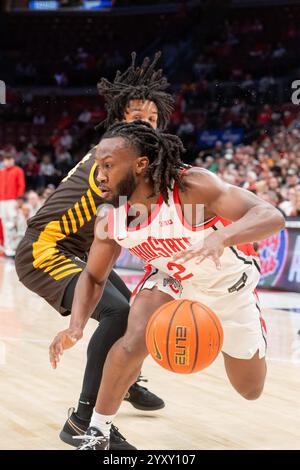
[(166, 232)]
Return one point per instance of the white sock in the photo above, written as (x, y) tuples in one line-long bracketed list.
[(102, 422)]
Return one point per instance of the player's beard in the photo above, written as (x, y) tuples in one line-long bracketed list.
[(124, 190)]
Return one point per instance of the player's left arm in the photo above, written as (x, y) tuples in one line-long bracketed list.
[(253, 218)]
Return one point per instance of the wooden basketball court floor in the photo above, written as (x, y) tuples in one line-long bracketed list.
[(202, 410)]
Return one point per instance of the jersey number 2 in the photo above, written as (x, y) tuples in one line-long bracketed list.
[(181, 269)]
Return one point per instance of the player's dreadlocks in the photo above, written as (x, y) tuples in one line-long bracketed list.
[(163, 150), (136, 83)]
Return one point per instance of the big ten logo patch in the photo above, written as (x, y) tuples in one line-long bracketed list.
[(182, 346)]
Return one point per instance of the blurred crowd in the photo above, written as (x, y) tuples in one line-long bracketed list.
[(225, 78), (240, 48), (17, 204), (269, 166)]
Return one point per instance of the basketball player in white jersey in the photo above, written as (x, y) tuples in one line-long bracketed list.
[(209, 259)]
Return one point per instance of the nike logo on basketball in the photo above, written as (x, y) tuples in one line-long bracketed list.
[(157, 351)]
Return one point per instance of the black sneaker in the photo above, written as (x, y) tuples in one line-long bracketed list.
[(117, 441), (93, 439), (142, 399), (75, 426)]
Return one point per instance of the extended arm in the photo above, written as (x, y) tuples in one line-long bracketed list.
[(88, 292), (253, 218)]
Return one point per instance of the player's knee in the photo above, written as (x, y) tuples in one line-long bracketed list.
[(134, 343)]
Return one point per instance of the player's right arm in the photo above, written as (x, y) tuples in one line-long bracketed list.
[(88, 292)]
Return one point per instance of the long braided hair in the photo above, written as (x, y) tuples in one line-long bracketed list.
[(136, 83), (163, 150)]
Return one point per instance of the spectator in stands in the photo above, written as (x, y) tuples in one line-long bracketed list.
[(66, 140), (47, 193), (47, 171), (34, 202), (65, 121), (20, 223), (63, 161), (84, 117), (292, 178), (12, 186), (291, 207), (186, 127), (32, 170)]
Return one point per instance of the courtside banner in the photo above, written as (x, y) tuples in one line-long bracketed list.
[(280, 258)]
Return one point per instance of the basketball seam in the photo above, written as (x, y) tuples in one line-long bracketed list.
[(152, 320), (155, 314), (168, 335), (196, 328)]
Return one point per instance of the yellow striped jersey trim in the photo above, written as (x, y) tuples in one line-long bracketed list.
[(63, 268), (92, 202), (85, 208), (55, 265), (46, 254), (66, 225), (79, 215), (73, 221), (67, 273)]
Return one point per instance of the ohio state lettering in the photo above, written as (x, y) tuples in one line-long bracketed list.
[(155, 248)]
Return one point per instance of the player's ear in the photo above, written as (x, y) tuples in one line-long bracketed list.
[(142, 164)]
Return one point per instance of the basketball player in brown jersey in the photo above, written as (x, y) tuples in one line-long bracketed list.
[(52, 254), (145, 166)]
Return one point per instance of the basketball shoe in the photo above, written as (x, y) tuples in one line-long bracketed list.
[(75, 427), (93, 439), (142, 399)]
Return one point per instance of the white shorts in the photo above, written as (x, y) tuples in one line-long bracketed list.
[(239, 311)]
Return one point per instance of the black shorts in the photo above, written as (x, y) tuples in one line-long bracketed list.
[(55, 281)]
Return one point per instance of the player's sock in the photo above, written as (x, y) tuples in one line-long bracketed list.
[(85, 409), (102, 422)]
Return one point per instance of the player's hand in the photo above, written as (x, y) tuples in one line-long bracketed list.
[(211, 248), (63, 340)]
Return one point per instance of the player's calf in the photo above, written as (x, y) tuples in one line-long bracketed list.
[(247, 376)]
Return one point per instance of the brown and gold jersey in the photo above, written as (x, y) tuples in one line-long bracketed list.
[(65, 223), (68, 215), (60, 234)]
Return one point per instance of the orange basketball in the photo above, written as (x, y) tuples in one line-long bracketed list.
[(184, 336)]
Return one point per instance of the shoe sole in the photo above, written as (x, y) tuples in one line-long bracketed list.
[(146, 408), (68, 439)]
